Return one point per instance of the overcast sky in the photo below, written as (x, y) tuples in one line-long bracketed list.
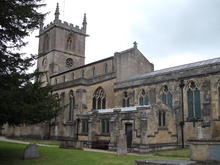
[(168, 32)]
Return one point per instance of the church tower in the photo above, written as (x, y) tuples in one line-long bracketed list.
[(61, 46)]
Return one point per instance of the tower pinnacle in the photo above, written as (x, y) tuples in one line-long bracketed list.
[(41, 24), (57, 12), (84, 22)]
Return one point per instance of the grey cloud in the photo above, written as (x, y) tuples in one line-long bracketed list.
[(178, 26)]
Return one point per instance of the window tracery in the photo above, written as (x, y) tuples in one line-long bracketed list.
[(193, 100), (166, 96), (99, 99), (143, 98)]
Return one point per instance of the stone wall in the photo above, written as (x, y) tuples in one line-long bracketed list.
[(130, 63), (146, 133)]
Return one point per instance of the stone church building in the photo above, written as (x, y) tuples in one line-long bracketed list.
[(123, 94)]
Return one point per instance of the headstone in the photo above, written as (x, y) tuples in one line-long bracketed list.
[(121, 144), (31, 152)]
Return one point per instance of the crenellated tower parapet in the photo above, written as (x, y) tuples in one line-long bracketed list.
[(61, 45), (65, 25)]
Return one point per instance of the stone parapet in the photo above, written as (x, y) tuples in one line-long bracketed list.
[(64, 25)]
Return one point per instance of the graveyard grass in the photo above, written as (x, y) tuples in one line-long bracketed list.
[(11, 154)]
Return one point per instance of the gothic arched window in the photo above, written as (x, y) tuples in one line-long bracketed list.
[(193, 100), (166, 96), (71, 105), (99, 99), (143, 99)]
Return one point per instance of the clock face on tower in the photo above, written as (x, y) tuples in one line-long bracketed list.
[(69, 62)]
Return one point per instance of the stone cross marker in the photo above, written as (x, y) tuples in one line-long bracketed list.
[(121, 144), (31, 152)]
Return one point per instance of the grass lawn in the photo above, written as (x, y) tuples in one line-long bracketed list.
[(174, 153), (11, 154)]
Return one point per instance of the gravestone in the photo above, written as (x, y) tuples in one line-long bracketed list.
[(121, 144), (31, 152)]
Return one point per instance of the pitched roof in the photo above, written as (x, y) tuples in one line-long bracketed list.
[(176, 68)]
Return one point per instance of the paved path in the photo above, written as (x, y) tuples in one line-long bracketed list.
[(2, 138), (109, 152)]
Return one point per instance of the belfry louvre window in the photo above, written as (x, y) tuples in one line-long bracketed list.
[(69, 43), (143, 99), (167, 97), (99, 99), (105, 126), (193, 100), (71, 105)]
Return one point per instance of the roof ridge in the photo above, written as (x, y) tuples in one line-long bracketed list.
[(178, 67)]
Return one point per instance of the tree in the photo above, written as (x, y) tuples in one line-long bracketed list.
[(23, 100)]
